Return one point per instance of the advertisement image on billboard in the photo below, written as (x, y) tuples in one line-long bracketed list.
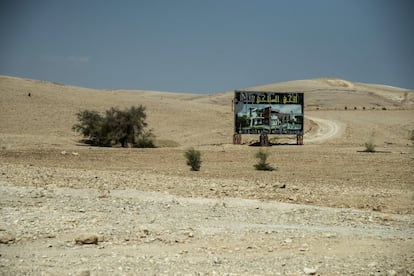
[(268, 113)]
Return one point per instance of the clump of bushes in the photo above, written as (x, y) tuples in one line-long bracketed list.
[(193, 159), (262, 164), (115, 127)]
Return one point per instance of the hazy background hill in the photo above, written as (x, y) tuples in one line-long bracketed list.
[(331, 93)]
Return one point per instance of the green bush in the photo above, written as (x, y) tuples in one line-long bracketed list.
[(369, 147), (116, 127), (193, 159), (145, 140), (262, 165)]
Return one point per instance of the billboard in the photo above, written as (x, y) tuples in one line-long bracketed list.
[(268, 113)]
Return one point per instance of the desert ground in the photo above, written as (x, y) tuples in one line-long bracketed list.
[(328, 208)]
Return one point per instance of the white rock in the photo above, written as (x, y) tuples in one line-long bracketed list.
[(309, 271), (7, 238), (391, 273), (216, 260)]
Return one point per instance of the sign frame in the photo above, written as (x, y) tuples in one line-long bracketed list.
[(265, 112)]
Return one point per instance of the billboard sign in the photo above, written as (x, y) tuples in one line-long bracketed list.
[(268, 113)]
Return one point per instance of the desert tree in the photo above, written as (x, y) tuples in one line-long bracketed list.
[(91, 125), (122, 127)]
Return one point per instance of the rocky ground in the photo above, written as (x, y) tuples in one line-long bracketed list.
[(84, 231), (129, 212)]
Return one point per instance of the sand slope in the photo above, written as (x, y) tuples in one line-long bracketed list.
[(327, 209), (186, 119)]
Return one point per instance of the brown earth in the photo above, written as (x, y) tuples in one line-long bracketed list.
[(328, 208)]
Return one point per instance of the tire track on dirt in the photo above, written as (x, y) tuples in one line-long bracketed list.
[(327, 129)]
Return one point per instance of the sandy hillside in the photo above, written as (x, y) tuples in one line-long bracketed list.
[(327, 209), (186, 119)]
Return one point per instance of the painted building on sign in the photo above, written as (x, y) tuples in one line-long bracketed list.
[(268, 113)]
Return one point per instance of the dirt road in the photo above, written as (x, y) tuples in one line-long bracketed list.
[(327, 129)]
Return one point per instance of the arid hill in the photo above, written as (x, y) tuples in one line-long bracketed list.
[(328, 208), (45, 118), (39, 126)]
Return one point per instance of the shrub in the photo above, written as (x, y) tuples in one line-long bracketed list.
[(411, 136), (262, 165), (193, 159), (122, 127), (145, 140), (369, 147)]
